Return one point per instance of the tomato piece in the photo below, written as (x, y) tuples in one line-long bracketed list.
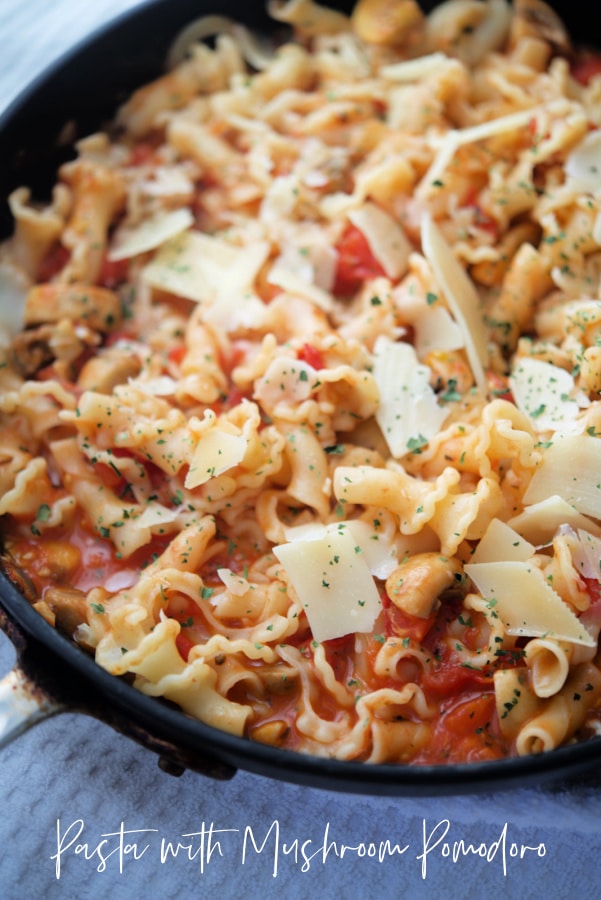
[(142, 154), (113, 273), (450, 680), (467, 732), (339, 655), (176, 354), (53, 263), (355, 263), (311, 355), (184, 645), (585, 67), (402, 624)]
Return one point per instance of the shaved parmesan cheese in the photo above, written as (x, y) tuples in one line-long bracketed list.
[(460, 294), (571, 467), (380, 554), (296, 273), (415, 69), (591, 551), (149, 234), (544, 393), (500, 542), (522, 598), (333, 582), (235, 584), (217, 451), (539, 522), (583, 165), (235, 311), (386, 238), (435, 329), (203, 268), (408, 412)]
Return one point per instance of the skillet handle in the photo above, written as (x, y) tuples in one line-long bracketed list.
[(22, 705)]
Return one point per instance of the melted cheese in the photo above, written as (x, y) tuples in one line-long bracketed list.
[(460, 294), (408, 411), (518, 593), (331, 576)]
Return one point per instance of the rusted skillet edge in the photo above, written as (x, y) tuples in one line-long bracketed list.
[(54, 669), (63, 674)]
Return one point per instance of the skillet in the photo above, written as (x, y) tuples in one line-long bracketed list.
[(52, 673)]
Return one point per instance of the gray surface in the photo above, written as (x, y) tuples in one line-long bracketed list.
[(71, 769)]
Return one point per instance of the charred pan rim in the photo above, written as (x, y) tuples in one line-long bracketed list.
[(107, 66)]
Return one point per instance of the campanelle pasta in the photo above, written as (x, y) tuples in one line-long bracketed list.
[(300, 428)]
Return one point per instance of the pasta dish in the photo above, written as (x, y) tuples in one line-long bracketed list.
[(300, 375)]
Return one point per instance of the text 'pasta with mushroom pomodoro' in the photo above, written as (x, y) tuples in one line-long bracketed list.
[(300, 376)]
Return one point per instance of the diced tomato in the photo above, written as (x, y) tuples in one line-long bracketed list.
[(355, 264), (311, 355), (229, 401), (467, 732), (593, 589), (338, 655), (499, 388), (142, 154), (402, 624), (184, 645), (585, 67), (176, 354), (54, 261), (113, 273), (450, 680)]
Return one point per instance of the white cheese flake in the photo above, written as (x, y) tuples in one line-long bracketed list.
[(332, 579), (571, 468), (408, 413), (203, 268), (518, 593), (461, 296), (216, 452), (150, 234), (539, 522), (385, 237), (500, 542), (544, 393)]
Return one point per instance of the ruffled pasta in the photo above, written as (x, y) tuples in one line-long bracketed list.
[(301, 428)]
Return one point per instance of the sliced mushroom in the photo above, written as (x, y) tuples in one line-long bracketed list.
[(69, 606), (536, 19)]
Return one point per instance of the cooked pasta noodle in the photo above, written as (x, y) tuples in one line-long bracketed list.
[(301, 427)]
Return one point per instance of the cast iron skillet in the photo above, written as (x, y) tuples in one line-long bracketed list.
[(52, 673)]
